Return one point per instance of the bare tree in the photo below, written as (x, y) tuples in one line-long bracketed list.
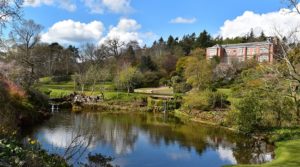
[(26, 35), (293, 4), (94, 54), (115, 47), (288, 70), (9, 10)]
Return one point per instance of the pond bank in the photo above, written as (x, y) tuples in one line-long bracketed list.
[(287, 143), (141, 137), (281, 147), (286, 155)]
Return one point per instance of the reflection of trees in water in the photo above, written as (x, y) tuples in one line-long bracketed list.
[(117, 132), (92, 129), (121, 132), (98, 160), (80, 141), (201, 137), (260, 151)]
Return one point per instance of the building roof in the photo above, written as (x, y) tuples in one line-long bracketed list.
[(250, 44)]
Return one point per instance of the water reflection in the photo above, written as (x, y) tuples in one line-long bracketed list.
[(147, 140)]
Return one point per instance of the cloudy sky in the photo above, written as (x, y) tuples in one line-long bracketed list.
[(78, 21)]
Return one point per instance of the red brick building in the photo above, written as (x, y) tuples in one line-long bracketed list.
[(261, 51)]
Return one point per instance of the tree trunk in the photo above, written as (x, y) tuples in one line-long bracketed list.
[(82, 88), (93, 87)]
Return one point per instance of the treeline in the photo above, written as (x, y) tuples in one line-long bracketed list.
[(128, 65)]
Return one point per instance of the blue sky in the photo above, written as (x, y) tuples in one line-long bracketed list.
[(150, 18)]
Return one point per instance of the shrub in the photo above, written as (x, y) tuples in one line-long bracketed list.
[(231, 118), (205, 100), (150, 79), (250, 116), (38, 99), (15, 153), (45, 80), (161, 104), (181, 87), (61, 78), (165, 82)]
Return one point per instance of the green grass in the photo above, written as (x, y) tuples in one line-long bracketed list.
[(156, 91), (61, 89), (287, 155), (228, 92), (284, 134)]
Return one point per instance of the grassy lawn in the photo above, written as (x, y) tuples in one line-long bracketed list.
[(157, 91), (287, 155), (61, 89)]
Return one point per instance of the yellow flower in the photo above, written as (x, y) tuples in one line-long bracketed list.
[(32, 142)]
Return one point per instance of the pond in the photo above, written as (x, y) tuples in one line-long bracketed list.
[(146, 139)]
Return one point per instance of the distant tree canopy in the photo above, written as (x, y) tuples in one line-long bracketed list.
[(157, 62)]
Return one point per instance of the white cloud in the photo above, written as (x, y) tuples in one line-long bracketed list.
[(37, 3), (68, 5), (115, 6), (118, 6), (274, 23), (64, 138), (181, 20), (94, 6), (72, 32), (128, 30), (64, 4), (226, 154)]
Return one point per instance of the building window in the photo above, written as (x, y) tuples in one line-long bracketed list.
[(251, 51), (263, 58), (264, 50), (240, 51)]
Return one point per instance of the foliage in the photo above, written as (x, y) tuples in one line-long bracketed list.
[(271, 106), (205, 100), (284, 134), (198, 73), (147, 64), (181, 87), (250, 116), (14, 153), (37, 99), (45, 80), (163, 105), (61, 78), (19, 107), (204, 40), (128, 78), (150, 79)]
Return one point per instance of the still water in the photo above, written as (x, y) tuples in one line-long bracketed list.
[(150, 140)]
